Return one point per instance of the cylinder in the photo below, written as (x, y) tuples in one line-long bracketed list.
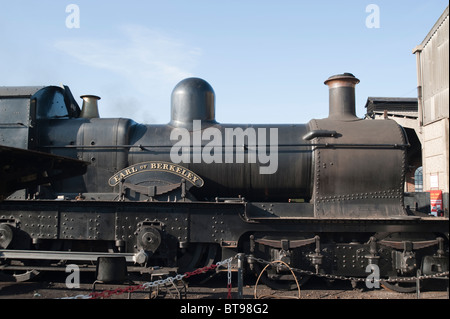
[(238, 174)]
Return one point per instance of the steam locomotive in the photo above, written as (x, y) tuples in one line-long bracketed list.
[(326, 196)]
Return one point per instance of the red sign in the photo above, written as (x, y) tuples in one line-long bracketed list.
[(436, 202)]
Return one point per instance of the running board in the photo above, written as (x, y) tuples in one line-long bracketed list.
[(61, 255)]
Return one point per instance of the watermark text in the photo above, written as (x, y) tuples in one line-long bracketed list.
[(73, 19), (373, 19), (230, 145), (73, 279), (373, 279)]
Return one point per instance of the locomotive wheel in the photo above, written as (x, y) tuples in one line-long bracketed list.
[(403, 287), (197, 256), (279, 284), (191, 257)]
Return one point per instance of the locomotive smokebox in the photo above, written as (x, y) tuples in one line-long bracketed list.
[(192, 99), (90, 107), (342, 96)]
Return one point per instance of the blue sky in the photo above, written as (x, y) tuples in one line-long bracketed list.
[(266, 60)]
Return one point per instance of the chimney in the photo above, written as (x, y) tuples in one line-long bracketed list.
[(89, 109), (342, 97)]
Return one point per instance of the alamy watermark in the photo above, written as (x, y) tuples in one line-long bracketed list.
[(238, 145), (73, 279), (373, 279), (373, 19), (73, 19)]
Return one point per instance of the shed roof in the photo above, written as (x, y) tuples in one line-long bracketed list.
[(396, 104), (433, 30)]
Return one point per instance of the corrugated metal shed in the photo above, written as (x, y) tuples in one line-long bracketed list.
[(433, 71), (432, 57)]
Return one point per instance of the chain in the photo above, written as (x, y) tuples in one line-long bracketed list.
[(356, 279), (229, 281), (162, 282), (178, 277)]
